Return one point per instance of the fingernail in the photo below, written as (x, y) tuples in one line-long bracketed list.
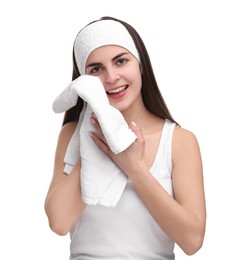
[(93, 115), (93, 120), (133, 123)]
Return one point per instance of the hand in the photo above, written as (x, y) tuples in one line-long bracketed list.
[(131, 160)]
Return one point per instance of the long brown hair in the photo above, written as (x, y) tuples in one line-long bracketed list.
[(151, 95)]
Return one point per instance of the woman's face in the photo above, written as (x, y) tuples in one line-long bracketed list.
[(119, 72)]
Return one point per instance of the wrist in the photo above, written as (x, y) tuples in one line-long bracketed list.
[(138, 173)]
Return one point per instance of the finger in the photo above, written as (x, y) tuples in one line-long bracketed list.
[(97, 127), (100, 143), (138, 132)]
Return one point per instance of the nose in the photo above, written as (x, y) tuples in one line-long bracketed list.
[(112, 75)]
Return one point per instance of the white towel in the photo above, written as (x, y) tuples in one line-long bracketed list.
[(102, 181)]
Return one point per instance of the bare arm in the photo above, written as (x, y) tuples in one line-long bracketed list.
[(63, 204), (182, 218)]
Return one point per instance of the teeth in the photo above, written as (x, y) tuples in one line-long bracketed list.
[(116, 90)]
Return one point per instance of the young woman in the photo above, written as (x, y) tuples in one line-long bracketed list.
[(163, 202)]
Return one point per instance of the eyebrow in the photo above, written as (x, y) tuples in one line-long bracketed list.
[(98, 63), (119, 55)]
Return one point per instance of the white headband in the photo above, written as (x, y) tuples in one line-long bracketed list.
[(101, 33)]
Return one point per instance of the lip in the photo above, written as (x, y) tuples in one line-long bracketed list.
[(118, 92)]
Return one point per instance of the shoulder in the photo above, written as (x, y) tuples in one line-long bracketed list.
[(63, 140), (182, 135), (66, 132), (68, 128), (184, 144)]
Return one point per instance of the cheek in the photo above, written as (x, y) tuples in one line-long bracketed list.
[(133, 73), (137, 79), (136, 72)]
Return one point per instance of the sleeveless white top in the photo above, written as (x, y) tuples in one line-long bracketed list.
[(127, 231)]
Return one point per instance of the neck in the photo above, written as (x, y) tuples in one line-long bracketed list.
[(138, 114), (143, 118)]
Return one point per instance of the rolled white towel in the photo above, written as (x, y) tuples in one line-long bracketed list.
[(102, 181)]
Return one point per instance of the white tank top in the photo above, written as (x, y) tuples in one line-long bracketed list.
[(127, 231)]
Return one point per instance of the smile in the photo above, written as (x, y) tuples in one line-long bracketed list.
[(117, 90)]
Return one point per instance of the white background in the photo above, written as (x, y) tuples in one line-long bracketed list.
[(192, 48)]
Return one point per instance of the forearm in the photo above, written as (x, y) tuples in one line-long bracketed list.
[(179, 223), (63, 204)]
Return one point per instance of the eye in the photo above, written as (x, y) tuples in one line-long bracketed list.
[(121, 61), (95, 70)]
